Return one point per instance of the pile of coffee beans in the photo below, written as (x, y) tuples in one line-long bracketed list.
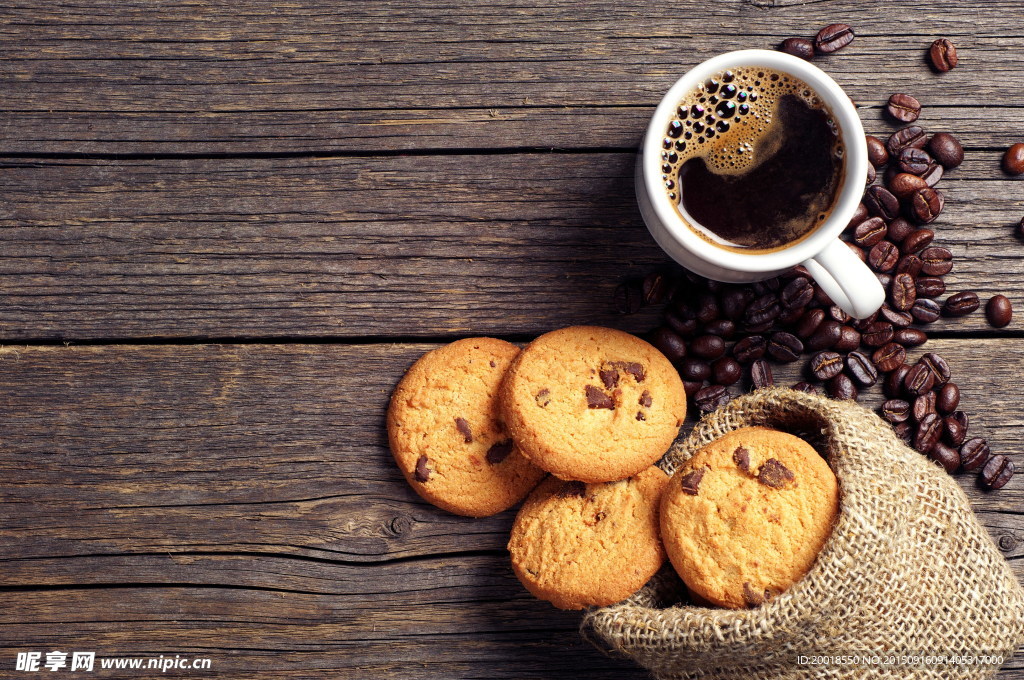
[(717, 333), (830, 39)]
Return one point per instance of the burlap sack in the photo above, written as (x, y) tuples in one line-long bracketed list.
[(908, 571)]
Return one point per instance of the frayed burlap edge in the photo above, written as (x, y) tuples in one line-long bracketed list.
[(908, 570)]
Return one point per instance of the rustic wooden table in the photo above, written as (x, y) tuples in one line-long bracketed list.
[(227, 228)]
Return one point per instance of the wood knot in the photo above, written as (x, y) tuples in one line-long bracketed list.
[(399, 525), (1007, 542)]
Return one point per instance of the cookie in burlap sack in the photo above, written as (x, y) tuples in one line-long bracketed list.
[(908, 570)]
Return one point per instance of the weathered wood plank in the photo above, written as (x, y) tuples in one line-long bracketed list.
[(370, 246), (108, 76)]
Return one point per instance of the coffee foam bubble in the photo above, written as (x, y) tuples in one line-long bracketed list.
[(737, 107)]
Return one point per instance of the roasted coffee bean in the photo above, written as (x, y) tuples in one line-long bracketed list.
[(839, 314), (798, 47), (694, 369), (910, 264), (763, 309), (684, 328), (946, 456), (707, 346), (784, 347), (726, 371), (885, 279), (909, 337), (797, 293), (883, 256), (962, 417), (974, 453), (655, 288), (946, 149), (961, 304), (711, 397), (877, 153), (733, 303), (690, 387), (684, 310), (943, 55), (923, 405), (948, 399), (929, 430), (904, 431), (825, 365), (825, 337), (870, 175), (996, 472), (761, 374), (925, 311), (809, 322), (925, 205), (930, 286), (953, 432), (806, 387), (895, 317), (937, 365), (899, 229), (749, 349), (849, 339), (723, 328), (841, 387), (669, 344), (889, 357), (910, 136), (628, 297), (896, 411), (932, 175), (877, 334), (999, 311), (919, 379), (1013, 160), (860, 368), (917, 240), (938, 261), (881, 203), (833, 37), (821, 297), (869, 232), (904, 108), (903, 184), (903, 292), (859, 215), (893, 386), (707, 308), (914, 161)]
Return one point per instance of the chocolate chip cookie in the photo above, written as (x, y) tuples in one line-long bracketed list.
[(746, 516), (446, 432), (578, 545), (592, 404)]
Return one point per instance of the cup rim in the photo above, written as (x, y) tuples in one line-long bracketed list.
[(855, 162)]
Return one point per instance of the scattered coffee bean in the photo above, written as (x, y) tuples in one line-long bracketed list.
[(910, 136), (733, 303), (999, 311), (877, 334), (962, 417), (974, 453), (925, 311), (628, 298), (914, 161), (869, 232), (903, 292), (903, 184), (899, 229), (762, 310), (825, 365), (930, 286), (943, 55), (761, 374), (809, 322), (669, 344), (919, 380), (937, 261), (996, 472), (711, 398), (923, 405), (833, 37), (881, 203), (878, 155), (707, 346), (896, 411), (953, 432), (948, 399), (904, 431), (726, 371), (917, 240), (932, 175), (896, 318), (961, 304), (861, 369), (859, 215), (797, 293), (946, 149), (849, 339), (925, 205), (841, 387), (691, 387), (749, 349), (904, 108), (889, 357), (929, 430), (655, 288), (806, 387), (893, 386), (883, 256), (1013, 159), (910, 337), (723, 328), (684, 328), (825, 337), (798, 47), (910, 264), (785, 347), (938, 366), (694, 369), (946, 456)]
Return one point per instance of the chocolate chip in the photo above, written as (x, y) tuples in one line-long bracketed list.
[(645, 399), (572, 488), (422, 471), (543, 398), (742, 458), (691, 480), (633, 368), (640, 415), (774, 474), (598, 399), (499, 452), (609, 377), (462, 425), (753, 597)]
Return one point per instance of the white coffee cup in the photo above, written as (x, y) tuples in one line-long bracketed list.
[(842, 275)]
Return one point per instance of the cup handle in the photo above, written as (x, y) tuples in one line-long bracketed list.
[(847, 280)]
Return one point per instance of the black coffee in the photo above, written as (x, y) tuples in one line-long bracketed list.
[(755, 158)]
